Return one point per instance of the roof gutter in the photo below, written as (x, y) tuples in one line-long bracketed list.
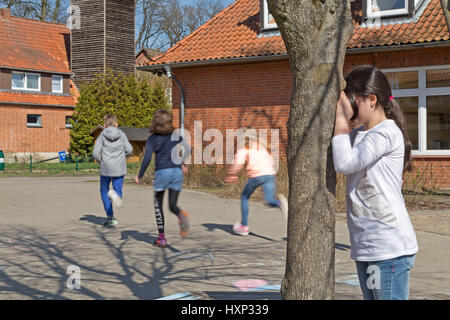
[(160, 67), (434, 44), (197, 63), (33, 70), (37, 105)]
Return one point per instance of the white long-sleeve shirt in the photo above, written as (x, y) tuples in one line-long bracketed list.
[(378, 222), (258, 159)]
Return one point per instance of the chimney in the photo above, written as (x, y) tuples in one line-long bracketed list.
[(5, 13)]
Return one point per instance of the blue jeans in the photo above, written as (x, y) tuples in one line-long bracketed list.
[(171, 178), (386, 279), (268, 185), (117, 183)]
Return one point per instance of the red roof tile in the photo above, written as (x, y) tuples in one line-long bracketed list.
[(34, 45), (233, 33), (36, 99)]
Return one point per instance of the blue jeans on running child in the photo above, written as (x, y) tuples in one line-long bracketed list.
[(386, 279), (268, 184), (171, 178), (117, 183)]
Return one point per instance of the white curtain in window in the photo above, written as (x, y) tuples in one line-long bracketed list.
[(56, 84), (32, 81), (18, 80)]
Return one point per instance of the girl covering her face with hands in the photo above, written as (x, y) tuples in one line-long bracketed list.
[(373, 157)]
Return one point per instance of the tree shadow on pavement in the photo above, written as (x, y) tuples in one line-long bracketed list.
[(34, 265)]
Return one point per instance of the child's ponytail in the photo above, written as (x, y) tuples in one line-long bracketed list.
[(392, 111)]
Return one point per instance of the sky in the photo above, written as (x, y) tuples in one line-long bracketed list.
[(224, 2)]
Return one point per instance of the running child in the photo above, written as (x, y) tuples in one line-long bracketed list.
[(168, 171), (110, 150), (261, 172), (374, 157)]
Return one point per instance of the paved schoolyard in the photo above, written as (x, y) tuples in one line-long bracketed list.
[(49, 224)]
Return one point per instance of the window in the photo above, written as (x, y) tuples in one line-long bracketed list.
[(424, 97), (69, 120), (18, 81), (403, 80), (267, 20), (57, 84), (438, 123), (438, 78), (26, 81), (34, 120), (383, 8), (410, 108)]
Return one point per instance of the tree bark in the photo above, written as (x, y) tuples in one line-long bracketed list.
[(315, 33)]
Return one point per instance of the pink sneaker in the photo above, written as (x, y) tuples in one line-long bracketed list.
[(161, 241), (240, 229)]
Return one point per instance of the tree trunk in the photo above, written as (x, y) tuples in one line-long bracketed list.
[(316, 33)]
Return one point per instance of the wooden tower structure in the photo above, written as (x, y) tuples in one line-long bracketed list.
[(104, 39)]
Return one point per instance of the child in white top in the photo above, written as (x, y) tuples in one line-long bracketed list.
[(373, 157), (261, 172)]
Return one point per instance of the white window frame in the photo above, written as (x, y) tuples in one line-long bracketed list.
[(422, 92), (62, 84), (68, 125), (265, 25), (386, 13), (25, 82), (34, 125)]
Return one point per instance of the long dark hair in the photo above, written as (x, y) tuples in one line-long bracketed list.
[(162, 123), (366, 80)]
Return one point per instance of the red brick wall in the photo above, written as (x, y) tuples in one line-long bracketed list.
[(235, 96), (400, 58), (432, 171), (5, 79), (258, 94), (15, 137)]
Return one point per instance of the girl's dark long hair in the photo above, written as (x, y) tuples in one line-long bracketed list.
[(366, 80)]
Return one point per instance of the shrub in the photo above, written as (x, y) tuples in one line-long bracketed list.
[(132, 99)]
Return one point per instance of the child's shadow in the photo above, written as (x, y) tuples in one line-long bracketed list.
[(229, 229), (143, 237), (93, 219), (139, 236)]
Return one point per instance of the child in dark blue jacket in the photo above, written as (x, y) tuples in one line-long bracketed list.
[(168, 170)]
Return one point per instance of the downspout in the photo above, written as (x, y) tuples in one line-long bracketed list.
[(170, 75)]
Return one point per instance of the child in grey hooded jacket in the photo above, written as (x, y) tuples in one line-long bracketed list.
[(110, 150)]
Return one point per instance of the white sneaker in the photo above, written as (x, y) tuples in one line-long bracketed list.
[(284, 205), (118, 202), (238, 228)]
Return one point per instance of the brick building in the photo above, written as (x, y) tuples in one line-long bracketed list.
[(35, 87), (234, 71), (40, 63)]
